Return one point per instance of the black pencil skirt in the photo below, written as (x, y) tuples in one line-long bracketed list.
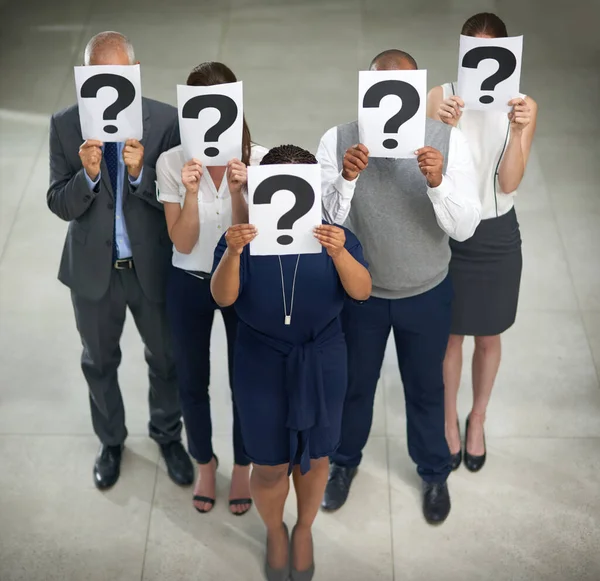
[(486, 275)]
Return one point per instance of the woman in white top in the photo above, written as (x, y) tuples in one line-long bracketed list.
[(200, 204), (486, 269)]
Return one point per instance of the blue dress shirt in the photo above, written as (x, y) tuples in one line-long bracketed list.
[(122, 238)]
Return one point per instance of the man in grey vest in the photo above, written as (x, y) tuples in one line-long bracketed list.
[(116, 255), (402, 211)]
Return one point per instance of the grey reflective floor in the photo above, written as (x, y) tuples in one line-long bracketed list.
[(533, 514)]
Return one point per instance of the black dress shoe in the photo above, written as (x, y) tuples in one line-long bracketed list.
[(179, 465), (338, 486), (473, 463), (436, 502), (456, 459), (107, 467)]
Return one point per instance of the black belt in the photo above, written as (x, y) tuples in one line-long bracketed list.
[(199, 274), (123, 264)]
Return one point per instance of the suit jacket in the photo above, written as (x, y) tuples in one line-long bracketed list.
[(86, 263)]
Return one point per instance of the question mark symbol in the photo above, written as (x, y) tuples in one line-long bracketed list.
[(302, 190), (227, 109), (507, 63), (124, 88), (410, 104)]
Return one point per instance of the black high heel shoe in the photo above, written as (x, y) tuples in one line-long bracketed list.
[(456, 459), (206, 499), (473, 463)]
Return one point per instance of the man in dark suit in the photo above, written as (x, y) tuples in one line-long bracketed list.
[(116, 255)]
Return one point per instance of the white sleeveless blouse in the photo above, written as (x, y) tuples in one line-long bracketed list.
[(487, 133)]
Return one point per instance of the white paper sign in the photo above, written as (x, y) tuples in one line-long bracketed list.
[(110, 102), (391, 112), (489, 72), (285, 206), (211, 122)]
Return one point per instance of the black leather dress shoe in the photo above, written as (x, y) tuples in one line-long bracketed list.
[(107, 467), (338, 486), (436, 502), (179, 465), (473, 463)]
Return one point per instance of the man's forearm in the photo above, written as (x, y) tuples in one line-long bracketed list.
[(147, 189), (71, 199)]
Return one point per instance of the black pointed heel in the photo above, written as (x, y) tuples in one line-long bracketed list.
[(474, 463), (456, 459)]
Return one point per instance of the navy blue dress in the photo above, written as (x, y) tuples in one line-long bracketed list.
[(290, 380)]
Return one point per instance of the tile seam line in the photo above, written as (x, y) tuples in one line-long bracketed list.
[(150, 512), (36, 158)]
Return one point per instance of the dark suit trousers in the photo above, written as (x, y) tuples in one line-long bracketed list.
[(191, 312), (100, 324), (421, 326)]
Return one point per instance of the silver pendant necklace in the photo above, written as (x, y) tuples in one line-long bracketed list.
[(288, 317)]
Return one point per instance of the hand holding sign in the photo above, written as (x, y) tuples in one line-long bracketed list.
[(239, 236), (332, 238), (450, 110), (391, 115), (356, 159), (90, 154), (520, 115), (211, 122), (285, 197), (133, 156), (490, 65), (237, 176), (110, 102), (431, 164), (191, 174)]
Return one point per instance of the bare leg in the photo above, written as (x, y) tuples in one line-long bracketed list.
[(270, 486), (309, 492), (486, 361), (240, 487), (206, 484), (452, 373)]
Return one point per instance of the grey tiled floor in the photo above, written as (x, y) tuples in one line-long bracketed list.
[(533, 514)]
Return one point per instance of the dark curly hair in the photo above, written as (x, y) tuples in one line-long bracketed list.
[(485, 23), (288, 154), (213, 73)]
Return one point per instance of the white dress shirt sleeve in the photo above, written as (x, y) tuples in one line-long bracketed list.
[(456, 200), (167, 182), (337, 192)]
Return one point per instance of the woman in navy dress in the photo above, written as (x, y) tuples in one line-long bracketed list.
[(289, 369)]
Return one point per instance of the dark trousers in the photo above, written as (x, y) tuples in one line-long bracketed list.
[(191, 312), (421, 326), (100, 325)]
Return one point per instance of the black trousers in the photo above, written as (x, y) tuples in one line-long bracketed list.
[(191, 311), (421, 326), (100, 325)]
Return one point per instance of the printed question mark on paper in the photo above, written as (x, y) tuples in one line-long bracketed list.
[(507, 63), (226, 107), (410, 104), (124, 88), (302, 190)]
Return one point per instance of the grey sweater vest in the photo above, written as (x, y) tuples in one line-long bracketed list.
[(393, 217)]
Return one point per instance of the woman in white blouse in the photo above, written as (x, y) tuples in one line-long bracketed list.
[(200, 204), (486, 269)]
